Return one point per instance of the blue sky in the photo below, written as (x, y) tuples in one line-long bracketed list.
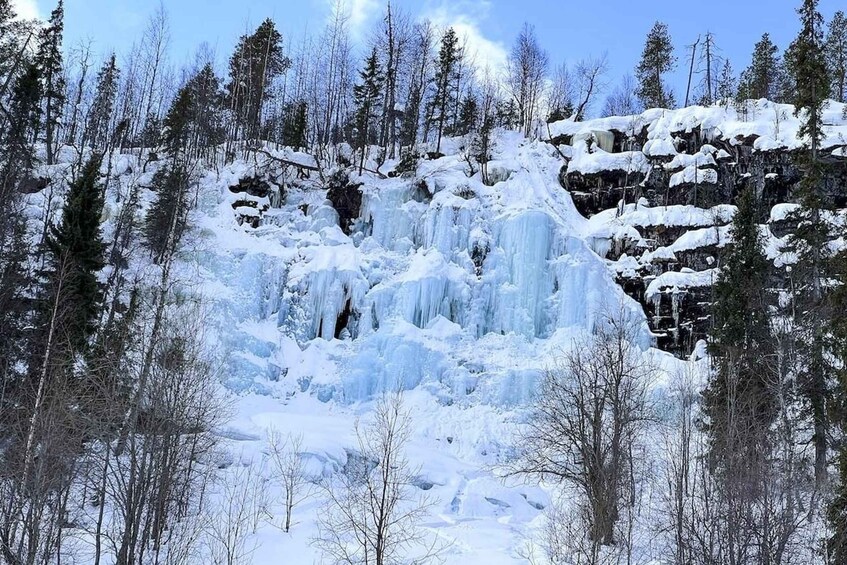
[(568, 29)]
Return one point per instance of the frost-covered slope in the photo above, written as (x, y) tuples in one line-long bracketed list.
[(456, 292), (461, 294)]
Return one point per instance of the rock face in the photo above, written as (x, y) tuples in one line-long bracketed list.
[(254, 195), (670, 179), (346, 198)]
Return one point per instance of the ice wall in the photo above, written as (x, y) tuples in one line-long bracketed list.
[(445, 284)]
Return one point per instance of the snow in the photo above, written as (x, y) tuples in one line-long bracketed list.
[(693, 175), (673, 282), (771, 126), (601, 161)]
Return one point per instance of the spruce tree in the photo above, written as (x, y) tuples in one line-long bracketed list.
[(367, 97), (468, 115), (24, 124), (741, 335), (167, 219), (410, 122), (49, 62), (726, 83), (656, 60), (96, 131), (294, 124), (207, 102), (740, 399), (837, 512), (176, 127), (76, 255), (483, 140), (14, 304), (444, 94), (762, 78), (836, 55), (810, 241)]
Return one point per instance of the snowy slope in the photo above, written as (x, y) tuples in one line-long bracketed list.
[(460, 295)]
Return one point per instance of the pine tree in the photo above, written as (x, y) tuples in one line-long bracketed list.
[(762, 78), (100, 116), (656, 60), (836, 55), (49, 62), (258, 59), (444, 95), (76, 255), (810, 241), (367, 97)]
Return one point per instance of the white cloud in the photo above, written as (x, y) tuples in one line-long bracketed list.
[(26, 9), (465, 18)]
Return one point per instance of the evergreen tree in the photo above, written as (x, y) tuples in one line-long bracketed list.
[(836, 55), (810, 241), (444, 94), (49, 62), (176, 127), (294, 124), (76, 255), (258, 59), (656, 60), (468, 115), (99, 118), (740, 399), (167, 219), (726, 83), (410, 122), (14, 305), (837, 512), (206, 114), (482, 142), (741, 338), (24, 124), (367, 97), (762, 78)]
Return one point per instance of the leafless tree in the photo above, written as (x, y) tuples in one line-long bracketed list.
[(373, 515), (591, 411), (525, 75), (289, 471), (233, 515), (159, 477), (561, 99), (623, 101), (589, 83)]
